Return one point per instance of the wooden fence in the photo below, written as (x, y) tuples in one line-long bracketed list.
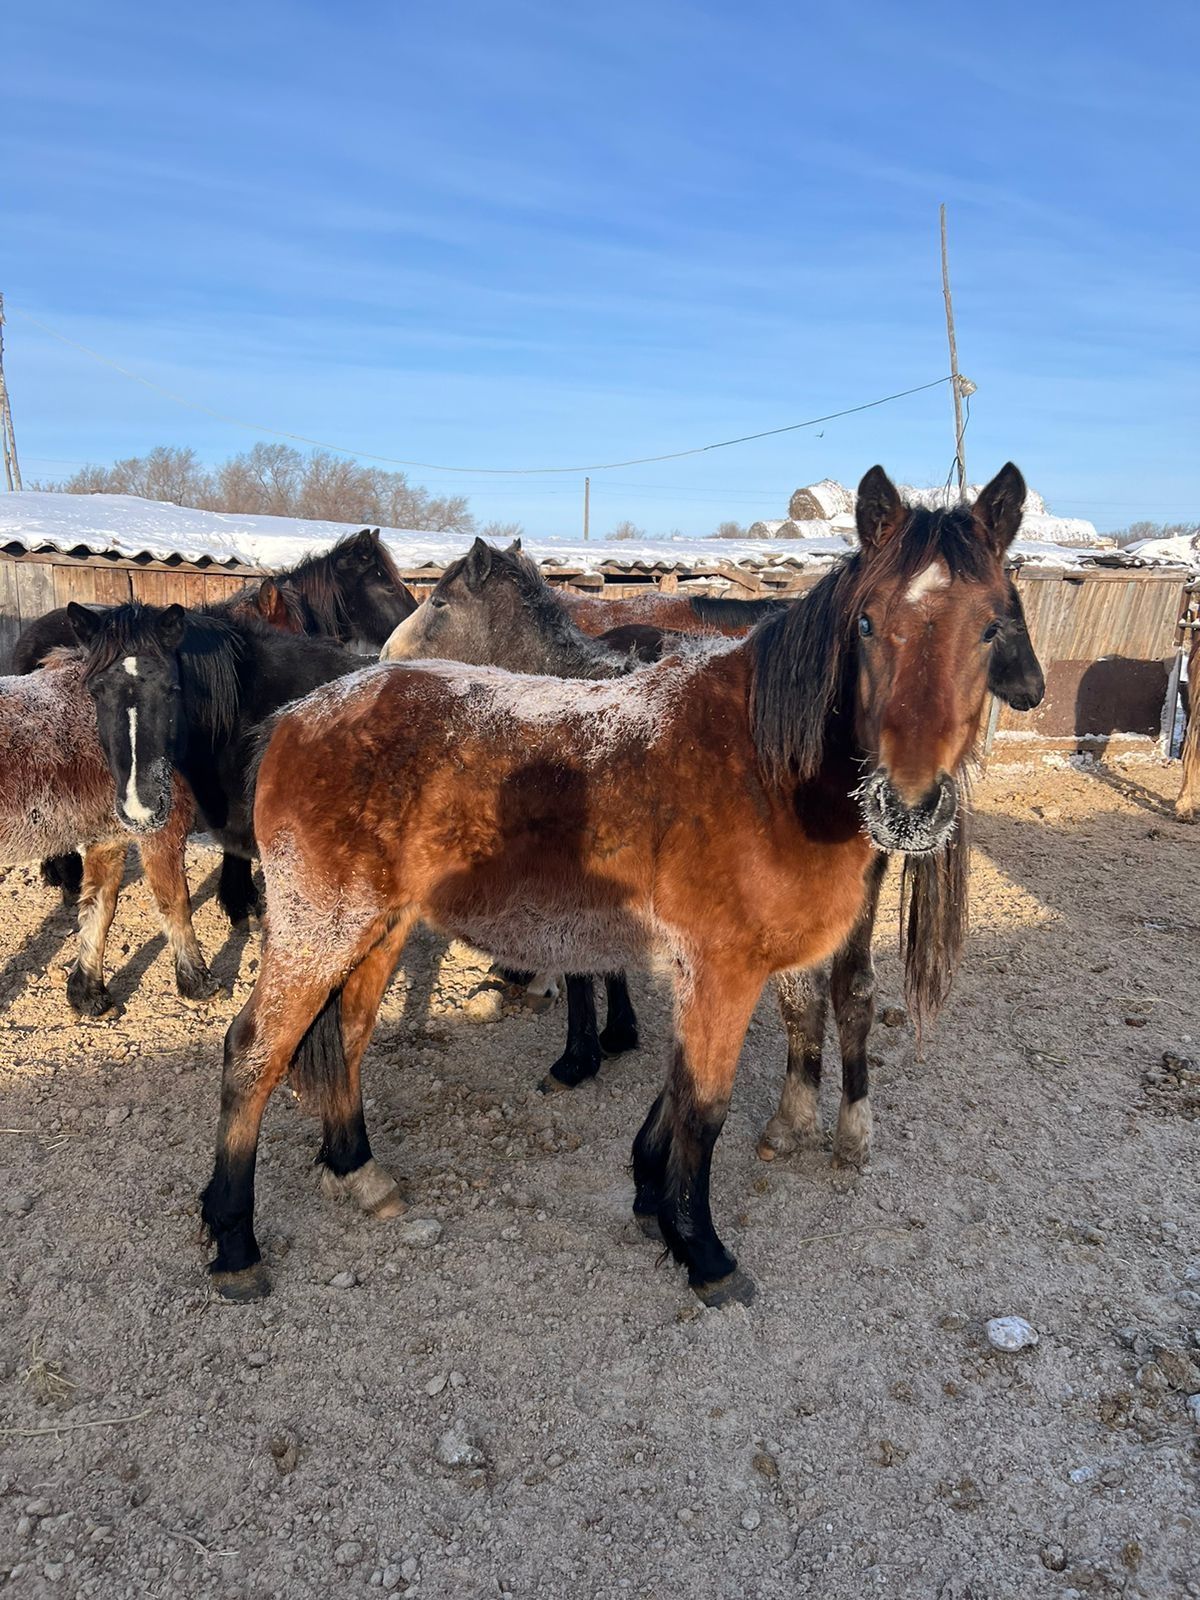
[(1108, 638)]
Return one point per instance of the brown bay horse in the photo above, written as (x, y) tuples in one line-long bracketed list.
[(714, 815), (494, 607)]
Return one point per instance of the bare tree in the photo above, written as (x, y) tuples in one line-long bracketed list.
[(502, 532), (729, 530), (626, 530), (275, 480)]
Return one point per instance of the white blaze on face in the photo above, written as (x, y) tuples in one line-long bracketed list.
[(132, 805), (934, 577), (405, 642), (130, 665)]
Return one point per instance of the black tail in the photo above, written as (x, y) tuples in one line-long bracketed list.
[(934, 918), (318, 1070)]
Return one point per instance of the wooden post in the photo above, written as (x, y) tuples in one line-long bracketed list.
[(8, 439), (587, 496), (959, 455)]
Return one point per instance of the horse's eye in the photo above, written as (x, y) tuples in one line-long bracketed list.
[(438, 604), (864, 627), (990, 632)]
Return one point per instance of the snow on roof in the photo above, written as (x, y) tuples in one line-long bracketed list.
[(128, 526), (1183, 550)]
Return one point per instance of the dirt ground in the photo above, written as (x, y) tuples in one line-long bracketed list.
[(506, 1392)]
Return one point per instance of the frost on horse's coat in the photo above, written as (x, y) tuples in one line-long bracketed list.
[(707, 811)]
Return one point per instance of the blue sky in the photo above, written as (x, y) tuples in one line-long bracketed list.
[(536, 234)]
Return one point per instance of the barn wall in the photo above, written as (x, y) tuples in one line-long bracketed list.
[(1107, 643), (31, 585), (1106, 638)]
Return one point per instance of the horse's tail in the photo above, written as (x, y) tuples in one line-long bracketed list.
[(318, 1070), (934, 919)]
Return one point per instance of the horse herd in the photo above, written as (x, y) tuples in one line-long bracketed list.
[(708, 788)]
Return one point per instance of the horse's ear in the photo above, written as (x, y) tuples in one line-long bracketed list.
[(85, 624), (169, 628), (1000, 506), (269, 602), (514, 548), (359, 550), (478, 563), (878, 509)]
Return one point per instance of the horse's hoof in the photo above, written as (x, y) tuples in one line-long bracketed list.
[(649, 1224), (616, 1041), (371, 1187), (781, 1139), (252, 1283), (734, 1289), (563, 1075), (197, 988), (89, 1002)]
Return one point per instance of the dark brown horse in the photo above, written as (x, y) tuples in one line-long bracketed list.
[(714, 815), (56, 791), (677, 613), (350, 592)]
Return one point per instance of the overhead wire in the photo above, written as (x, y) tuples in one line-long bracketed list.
[(430, 466)]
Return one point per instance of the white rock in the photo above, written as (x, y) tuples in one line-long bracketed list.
[(420, 1232), (751, 1519), (1193, 1408), (1010, 1333), (344, 1280), (457, 1449), (436, 1385)]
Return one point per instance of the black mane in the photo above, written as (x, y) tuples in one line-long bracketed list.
[(316, 581), (210, 657)]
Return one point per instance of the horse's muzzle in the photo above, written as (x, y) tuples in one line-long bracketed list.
[(147, 821), (912, 830)]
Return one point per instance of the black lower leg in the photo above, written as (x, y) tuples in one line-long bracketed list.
[(651, 1151), (852, 989), (237, 893), (227, 1207), (65, 873), (581, 1057), (684, 1214), (344, 1143), (620, 1027)]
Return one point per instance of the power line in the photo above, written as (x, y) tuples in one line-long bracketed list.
[(430, 466)]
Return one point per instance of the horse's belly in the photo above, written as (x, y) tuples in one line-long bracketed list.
[(566, 939)]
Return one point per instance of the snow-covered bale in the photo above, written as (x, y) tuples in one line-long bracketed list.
[(766, 530), (821, 502)]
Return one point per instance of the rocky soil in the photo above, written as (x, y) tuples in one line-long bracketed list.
[(506, 1392)]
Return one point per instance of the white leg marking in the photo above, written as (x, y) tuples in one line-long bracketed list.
[(852, 1141)]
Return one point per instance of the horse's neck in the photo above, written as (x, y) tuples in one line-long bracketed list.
[(567, 652)]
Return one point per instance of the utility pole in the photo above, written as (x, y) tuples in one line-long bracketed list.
[(957, 384), (8, 439), (587, 505)]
